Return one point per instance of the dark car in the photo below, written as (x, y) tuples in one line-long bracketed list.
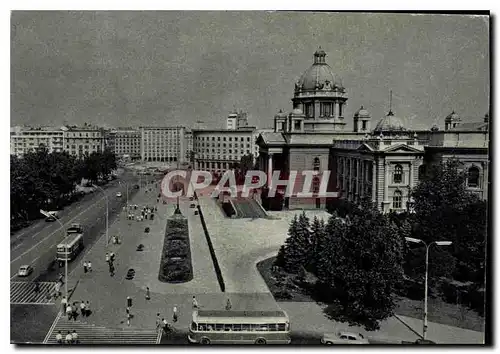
[(192, 205), (136, 186)]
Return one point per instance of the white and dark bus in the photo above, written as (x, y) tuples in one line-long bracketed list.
[(239, 327), (69, 248)]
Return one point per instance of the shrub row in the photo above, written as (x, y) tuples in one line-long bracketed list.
[(176, 266), (218, 271)]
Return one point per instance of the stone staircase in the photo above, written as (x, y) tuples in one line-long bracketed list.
[(98, 335)]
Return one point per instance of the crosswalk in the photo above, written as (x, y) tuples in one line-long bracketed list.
[(23, 293), (98, 335)]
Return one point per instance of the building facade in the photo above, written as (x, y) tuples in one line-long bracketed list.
[(25, 139), (216, 150), (237, 120), (381, 164), (188, 137), (84, 140), (127, 143), (163, 144)]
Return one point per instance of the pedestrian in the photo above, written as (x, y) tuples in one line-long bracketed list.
[(112, 257), (107, 257), (64, 303), (164, 325), (69, 338), (174, 316), (85, 267), (158, 321), (74, 308), (82, 308), (228, 305), (89, 266), (74, 337), (61, 278), (69, 311), (129, 301), (111, 269), (37, 287), (148, 295), (195, 303), (87, 309), (57, 290), (128, 317), (59, 338)]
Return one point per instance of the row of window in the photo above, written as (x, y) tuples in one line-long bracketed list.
[(86, 135), (271, 327), (223, 138), (218, 145)]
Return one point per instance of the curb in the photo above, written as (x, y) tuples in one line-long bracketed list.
[(408, 326)]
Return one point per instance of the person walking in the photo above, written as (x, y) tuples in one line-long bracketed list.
[(57, 290), (148, 295), (89, 265), (69, 311), (59, 338), (158, 322), (128, 316), (174, 315), (64, 303), (111, 269), (74, 337), (74, 308), (82, 309), (85, 267), (107, 257), (164, 325), (69, 338), (195, 303), (87, 309), (228, 305)]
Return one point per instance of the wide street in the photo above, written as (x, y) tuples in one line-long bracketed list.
[(36, 245)]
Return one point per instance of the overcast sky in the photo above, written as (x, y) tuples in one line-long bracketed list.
[(176, 68)]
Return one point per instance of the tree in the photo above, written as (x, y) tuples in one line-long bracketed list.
[(362, 264), (246, 163), (446, 210), (317, 236), (297, 245)]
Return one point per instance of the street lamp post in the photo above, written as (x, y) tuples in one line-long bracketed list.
[(107, 212), (427, 247)]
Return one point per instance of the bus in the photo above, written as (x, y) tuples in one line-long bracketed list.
[(239, 327), (69, 248)]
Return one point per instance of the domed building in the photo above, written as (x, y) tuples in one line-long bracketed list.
[(379, 165)]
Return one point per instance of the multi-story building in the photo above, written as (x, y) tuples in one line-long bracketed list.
[(165, 144), (381, 164), (24, 139), (188, 136), (127, 143), (236, 120), (81, 141), (216, 150)]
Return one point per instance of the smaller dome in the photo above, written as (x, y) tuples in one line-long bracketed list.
[(390, 123), (320, 52), (453, 116), (297, 112), (362, 113), (280, 114)]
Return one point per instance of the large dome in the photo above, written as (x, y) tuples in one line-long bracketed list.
[(319, 76), (389, 123)]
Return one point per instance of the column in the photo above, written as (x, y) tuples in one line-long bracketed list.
[(374, 182), (269, 169), (386, 182), (334, 109)]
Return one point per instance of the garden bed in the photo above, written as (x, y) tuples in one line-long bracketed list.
[(176, 265)]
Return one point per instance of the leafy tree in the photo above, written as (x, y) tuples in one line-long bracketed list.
[(446, 210), (363, 266)]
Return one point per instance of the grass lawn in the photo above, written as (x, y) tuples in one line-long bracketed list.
[(438, 310)]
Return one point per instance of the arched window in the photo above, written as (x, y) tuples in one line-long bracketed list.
[(422, 172), (473, 177), (398, 174), (397, 200), (316, 164)]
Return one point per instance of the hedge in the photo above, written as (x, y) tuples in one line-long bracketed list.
[(176, 265)]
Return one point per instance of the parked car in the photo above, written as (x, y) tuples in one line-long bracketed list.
[(119, 194), (192, 205), (136, 186), (343, 337), (53, 217), (25, 270), (196, 212)]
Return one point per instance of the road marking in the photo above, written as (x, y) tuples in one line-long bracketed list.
[(22, 293), (58, 230)]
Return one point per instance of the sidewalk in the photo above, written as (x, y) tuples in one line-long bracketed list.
[(107, 295)]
